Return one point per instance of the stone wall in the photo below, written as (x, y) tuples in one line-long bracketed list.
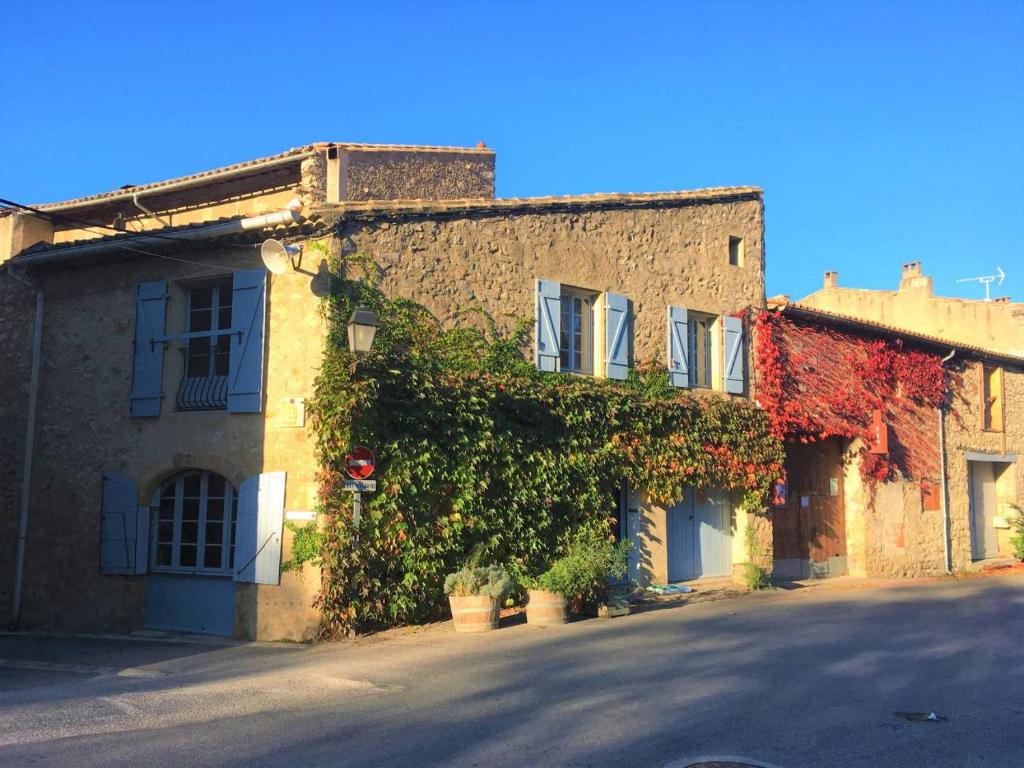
[(994, 325), (964, 434), (17, 309), (84, 429), (655, 256), (381, 174)]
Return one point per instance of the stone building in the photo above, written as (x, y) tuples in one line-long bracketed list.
[(949, 505), (996, 325), (158, 373)]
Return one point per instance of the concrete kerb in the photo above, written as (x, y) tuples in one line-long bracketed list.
[(165, 638)]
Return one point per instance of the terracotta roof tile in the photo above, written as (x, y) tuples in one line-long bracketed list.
[(373, 208), (298, 152)]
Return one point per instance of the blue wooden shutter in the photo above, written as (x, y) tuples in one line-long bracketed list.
[(245, 369), (258, 529), (734, 355), (549, 316), (124, 527), (616, 353), (678, 346), (148, 359)]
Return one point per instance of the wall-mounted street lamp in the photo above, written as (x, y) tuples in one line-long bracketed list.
[(362, 327)]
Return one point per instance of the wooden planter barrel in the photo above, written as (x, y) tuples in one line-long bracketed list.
[(474, 613), (546, 608)]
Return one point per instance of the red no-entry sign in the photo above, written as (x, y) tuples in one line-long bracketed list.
[(360, 463)]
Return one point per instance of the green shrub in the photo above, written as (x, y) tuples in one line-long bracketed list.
[(491, 581), (591, 561), (1017, 540), (755, 577)]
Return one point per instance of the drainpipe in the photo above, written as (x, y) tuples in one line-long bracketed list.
[(30, 433), (946, 526)]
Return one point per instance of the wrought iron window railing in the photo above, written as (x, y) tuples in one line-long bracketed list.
[(200, 393)]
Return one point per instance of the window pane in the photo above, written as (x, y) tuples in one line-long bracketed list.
[(187, 556), (577, 333), (211, 557), (214, 533), (189, 533), (163, 554), (191, 486), (224, 317), (223, 356), (215, 509), (165, 532), (225, 296), (215, 485), (563, 331), (199, 320), (166, 509), (190, 509), (200, 298)]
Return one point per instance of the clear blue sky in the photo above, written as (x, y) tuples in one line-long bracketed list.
[(881, 132)]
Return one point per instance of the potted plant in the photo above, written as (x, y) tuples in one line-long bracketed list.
[(548, 595), (580, 576), (475, 594)]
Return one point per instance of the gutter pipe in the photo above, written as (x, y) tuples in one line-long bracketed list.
[(946, 524), (115, 242), (30, 433), (133, 195)]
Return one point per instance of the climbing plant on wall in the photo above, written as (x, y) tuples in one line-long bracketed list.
[(816, 382), (476, 448)]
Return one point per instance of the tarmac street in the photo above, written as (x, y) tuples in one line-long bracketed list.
[(796, 679)]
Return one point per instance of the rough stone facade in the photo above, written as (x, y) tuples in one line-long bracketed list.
[(993, 325), (661, 253), (656, 252), (84, 429), (381, 174), (965, 436), (897, 528), (17, 310)]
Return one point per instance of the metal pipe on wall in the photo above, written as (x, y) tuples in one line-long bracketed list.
[(946, 525), (30, 433)]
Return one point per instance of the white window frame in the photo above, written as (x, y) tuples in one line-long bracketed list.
[(217, 286), (228, 533), (708, 362), (567, 342)]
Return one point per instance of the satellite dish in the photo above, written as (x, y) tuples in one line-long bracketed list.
[(277, 257)]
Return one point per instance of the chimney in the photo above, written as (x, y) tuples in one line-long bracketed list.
[(914, 280), (831, 279)]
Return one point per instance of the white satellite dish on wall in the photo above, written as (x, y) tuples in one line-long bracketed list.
[(278, 257)]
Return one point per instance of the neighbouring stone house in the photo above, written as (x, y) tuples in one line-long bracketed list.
[(881, 481), (158, 374)]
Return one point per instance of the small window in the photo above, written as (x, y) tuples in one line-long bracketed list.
[(576, 329), (992, 398), (207, 347), (700, 350), (736, 251), (195, 518)]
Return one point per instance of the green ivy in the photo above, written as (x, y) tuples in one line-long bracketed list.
[(477, 449), (307, 546)]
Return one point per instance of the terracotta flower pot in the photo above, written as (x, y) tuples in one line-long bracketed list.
[(474, 613), (546, 608)]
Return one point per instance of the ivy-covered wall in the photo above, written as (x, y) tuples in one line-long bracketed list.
[(476, 448)]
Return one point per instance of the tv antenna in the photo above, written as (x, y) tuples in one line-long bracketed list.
[(987, 280)]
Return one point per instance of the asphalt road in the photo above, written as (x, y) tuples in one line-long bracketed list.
[(798, 679)]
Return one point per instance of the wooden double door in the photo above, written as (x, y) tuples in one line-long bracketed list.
[(809, 531)]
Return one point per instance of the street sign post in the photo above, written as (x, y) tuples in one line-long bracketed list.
[(359, 464)]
